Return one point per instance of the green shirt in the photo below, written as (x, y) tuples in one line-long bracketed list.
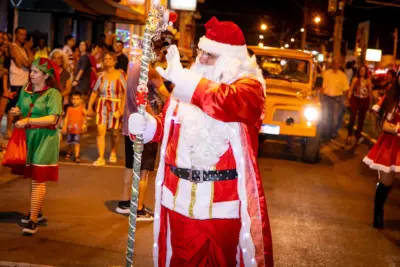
[(43, 144)]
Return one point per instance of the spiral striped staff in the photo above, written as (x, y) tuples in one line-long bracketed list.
[(157, 22)]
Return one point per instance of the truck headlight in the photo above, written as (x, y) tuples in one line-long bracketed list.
[(311, 114)]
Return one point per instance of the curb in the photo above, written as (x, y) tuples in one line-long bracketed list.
[(21, 264)]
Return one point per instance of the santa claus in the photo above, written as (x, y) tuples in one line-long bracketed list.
[(210, 206)]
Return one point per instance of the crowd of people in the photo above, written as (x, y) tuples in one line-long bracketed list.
[(92, 84), (89, 82), (208, 131), (57, 82), (353, 89)]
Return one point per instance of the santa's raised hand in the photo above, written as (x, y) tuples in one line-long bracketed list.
[(174, 68), (185, 81)]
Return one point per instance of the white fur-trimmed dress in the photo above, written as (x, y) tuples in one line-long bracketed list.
[(385, 154)]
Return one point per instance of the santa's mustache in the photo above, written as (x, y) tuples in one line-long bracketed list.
[(224, 69)]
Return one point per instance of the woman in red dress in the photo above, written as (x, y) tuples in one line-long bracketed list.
[(385, 154)]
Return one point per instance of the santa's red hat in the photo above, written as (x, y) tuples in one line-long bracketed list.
[(223, 38)]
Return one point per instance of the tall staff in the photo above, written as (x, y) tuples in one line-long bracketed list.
[(155, 25)]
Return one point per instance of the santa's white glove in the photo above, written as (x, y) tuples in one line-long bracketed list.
[(185, 81), (142, 124), (174, 68)]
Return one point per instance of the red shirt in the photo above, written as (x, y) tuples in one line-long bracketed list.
[(75, 119)]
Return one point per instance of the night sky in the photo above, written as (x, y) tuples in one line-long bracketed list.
[(287, 16)]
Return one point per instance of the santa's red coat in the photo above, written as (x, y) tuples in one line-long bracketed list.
[(241, 104)]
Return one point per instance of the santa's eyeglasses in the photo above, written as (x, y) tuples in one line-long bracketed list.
[(201, 52)]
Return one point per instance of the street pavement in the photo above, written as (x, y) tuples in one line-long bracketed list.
[(320, 213)]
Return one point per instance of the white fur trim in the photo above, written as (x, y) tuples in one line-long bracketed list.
[(238, 256), (220, 210), (151, 128), (245, 240), (169, 246), (160, 180), (220, 49), (380, 167), (185, 82), (376, 108)]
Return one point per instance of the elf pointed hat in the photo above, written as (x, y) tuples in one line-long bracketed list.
[(49, 67), (223, 38)]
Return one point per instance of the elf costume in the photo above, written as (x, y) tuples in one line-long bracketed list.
[(42, 141)]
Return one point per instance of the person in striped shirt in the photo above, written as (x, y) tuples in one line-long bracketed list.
[(111, 90)]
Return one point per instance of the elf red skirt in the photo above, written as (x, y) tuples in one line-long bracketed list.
[(385, 154)]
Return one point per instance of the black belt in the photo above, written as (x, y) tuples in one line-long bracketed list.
[(199, 176)]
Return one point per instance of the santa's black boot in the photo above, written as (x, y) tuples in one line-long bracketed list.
[(381, 194)]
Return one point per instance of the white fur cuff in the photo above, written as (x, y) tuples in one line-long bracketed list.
[(220, 49), (151, 128), (376, 108), (185, 82)]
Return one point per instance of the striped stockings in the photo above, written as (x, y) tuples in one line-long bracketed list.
[(38, 190)]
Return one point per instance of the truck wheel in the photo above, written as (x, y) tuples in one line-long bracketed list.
[(310, 149), (261, 140)]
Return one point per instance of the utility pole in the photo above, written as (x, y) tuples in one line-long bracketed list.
[(305, 22), (282, 35), (395, 35), (337, 35)]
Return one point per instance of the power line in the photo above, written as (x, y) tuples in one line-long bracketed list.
[(395, 3), (367, 7)]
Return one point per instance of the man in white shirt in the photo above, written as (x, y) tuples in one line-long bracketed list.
[(19, 72), (334, 87)]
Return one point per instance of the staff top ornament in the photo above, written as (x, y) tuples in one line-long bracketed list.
[(16, 4), (159, 19), (157, 22)]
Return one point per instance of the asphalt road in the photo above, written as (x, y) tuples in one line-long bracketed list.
[(320, 214)]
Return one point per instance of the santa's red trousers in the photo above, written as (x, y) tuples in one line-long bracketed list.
[(203, 243)]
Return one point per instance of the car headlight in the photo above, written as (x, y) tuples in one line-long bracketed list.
[(311, 114)]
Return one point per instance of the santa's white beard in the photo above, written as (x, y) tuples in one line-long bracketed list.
[(223, 71), (206, 139)]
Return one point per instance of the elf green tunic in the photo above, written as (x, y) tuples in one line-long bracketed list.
[(42, 142)]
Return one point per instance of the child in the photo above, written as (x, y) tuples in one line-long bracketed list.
[(74, 124)]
